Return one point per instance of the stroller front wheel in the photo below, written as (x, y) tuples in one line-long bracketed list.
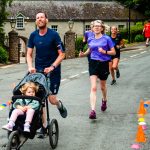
[(13, 141), (53, 132)]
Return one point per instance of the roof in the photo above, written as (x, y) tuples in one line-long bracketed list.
[(76, 10)]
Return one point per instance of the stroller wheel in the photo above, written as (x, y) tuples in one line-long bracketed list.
[(53, 132), (13, 141), (8, 134)]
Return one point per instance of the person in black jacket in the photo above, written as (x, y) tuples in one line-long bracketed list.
[(118, 44)]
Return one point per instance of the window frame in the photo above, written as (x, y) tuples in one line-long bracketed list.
[(121, 26), (54, 27), (87, 27), (20, 20)]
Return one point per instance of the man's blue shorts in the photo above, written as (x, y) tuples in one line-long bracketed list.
[(55, 79)]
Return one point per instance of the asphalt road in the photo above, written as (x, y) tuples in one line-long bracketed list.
[(114, 129)]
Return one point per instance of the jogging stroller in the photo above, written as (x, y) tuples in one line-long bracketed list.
[(18, 137)]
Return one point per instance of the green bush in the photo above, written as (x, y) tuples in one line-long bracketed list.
[(78, 44), (79, 47), (3, 55), (2, 37), (124, 33), (134, 30), (139, 38)]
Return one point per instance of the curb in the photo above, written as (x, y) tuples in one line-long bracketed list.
[(5, 65), (136, 47), (123, 49), (131, 48)]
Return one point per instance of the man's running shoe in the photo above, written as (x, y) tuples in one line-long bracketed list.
[(62, 110), (113, 82), (92, 114), (117, 73), (43, 133), (104, 105)]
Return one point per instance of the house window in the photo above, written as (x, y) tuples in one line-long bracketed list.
[(87, 27), (20, 22), (54, 27), (120, 27)]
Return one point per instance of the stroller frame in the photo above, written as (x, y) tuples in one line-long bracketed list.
[(16, 138)]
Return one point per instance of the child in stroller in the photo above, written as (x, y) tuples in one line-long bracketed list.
[(22, 106), (16, 135)]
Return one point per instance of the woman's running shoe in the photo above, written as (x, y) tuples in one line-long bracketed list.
[(92, 114), (104, 105), (113, 82), (117, 73)]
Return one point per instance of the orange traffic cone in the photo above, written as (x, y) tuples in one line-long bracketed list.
[(140, 136), (142, 110)]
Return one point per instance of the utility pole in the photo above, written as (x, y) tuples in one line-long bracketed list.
[(129, 38)]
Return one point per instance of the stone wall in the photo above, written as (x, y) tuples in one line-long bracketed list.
[(14, 55), (70, 44)]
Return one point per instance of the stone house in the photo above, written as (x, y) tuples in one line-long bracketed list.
[(61, 11)]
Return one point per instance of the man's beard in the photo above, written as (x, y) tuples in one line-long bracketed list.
[(42, 27)]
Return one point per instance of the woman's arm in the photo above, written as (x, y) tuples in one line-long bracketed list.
[(82, 54), (110, 52)]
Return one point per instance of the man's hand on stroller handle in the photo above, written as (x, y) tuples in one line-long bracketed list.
[(46, 71), (32, 70), (49, 69)]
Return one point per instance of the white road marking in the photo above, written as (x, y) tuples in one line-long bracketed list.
[(143, 52), (3, 67), (124, 59), (62, 80), (84, 72), (73, 76), (134, 55)]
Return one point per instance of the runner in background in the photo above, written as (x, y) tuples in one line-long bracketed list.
[(100, 47), (118, 44), (87, 34), (146, 32)]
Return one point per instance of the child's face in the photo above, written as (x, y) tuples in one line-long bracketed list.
[(30, 92)]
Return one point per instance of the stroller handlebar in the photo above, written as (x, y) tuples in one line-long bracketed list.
[(41, 71)]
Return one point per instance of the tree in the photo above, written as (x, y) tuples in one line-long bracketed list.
[(3, 17), (142, 6)]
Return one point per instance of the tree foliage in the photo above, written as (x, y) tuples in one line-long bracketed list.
[(3, 17), (142, 6)]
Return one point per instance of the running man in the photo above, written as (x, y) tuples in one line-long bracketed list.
[(49, 55)]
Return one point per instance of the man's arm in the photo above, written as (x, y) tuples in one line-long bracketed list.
[(61, 56), (29, 60)]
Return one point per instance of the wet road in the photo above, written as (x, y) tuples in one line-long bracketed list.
[(114, 129)]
